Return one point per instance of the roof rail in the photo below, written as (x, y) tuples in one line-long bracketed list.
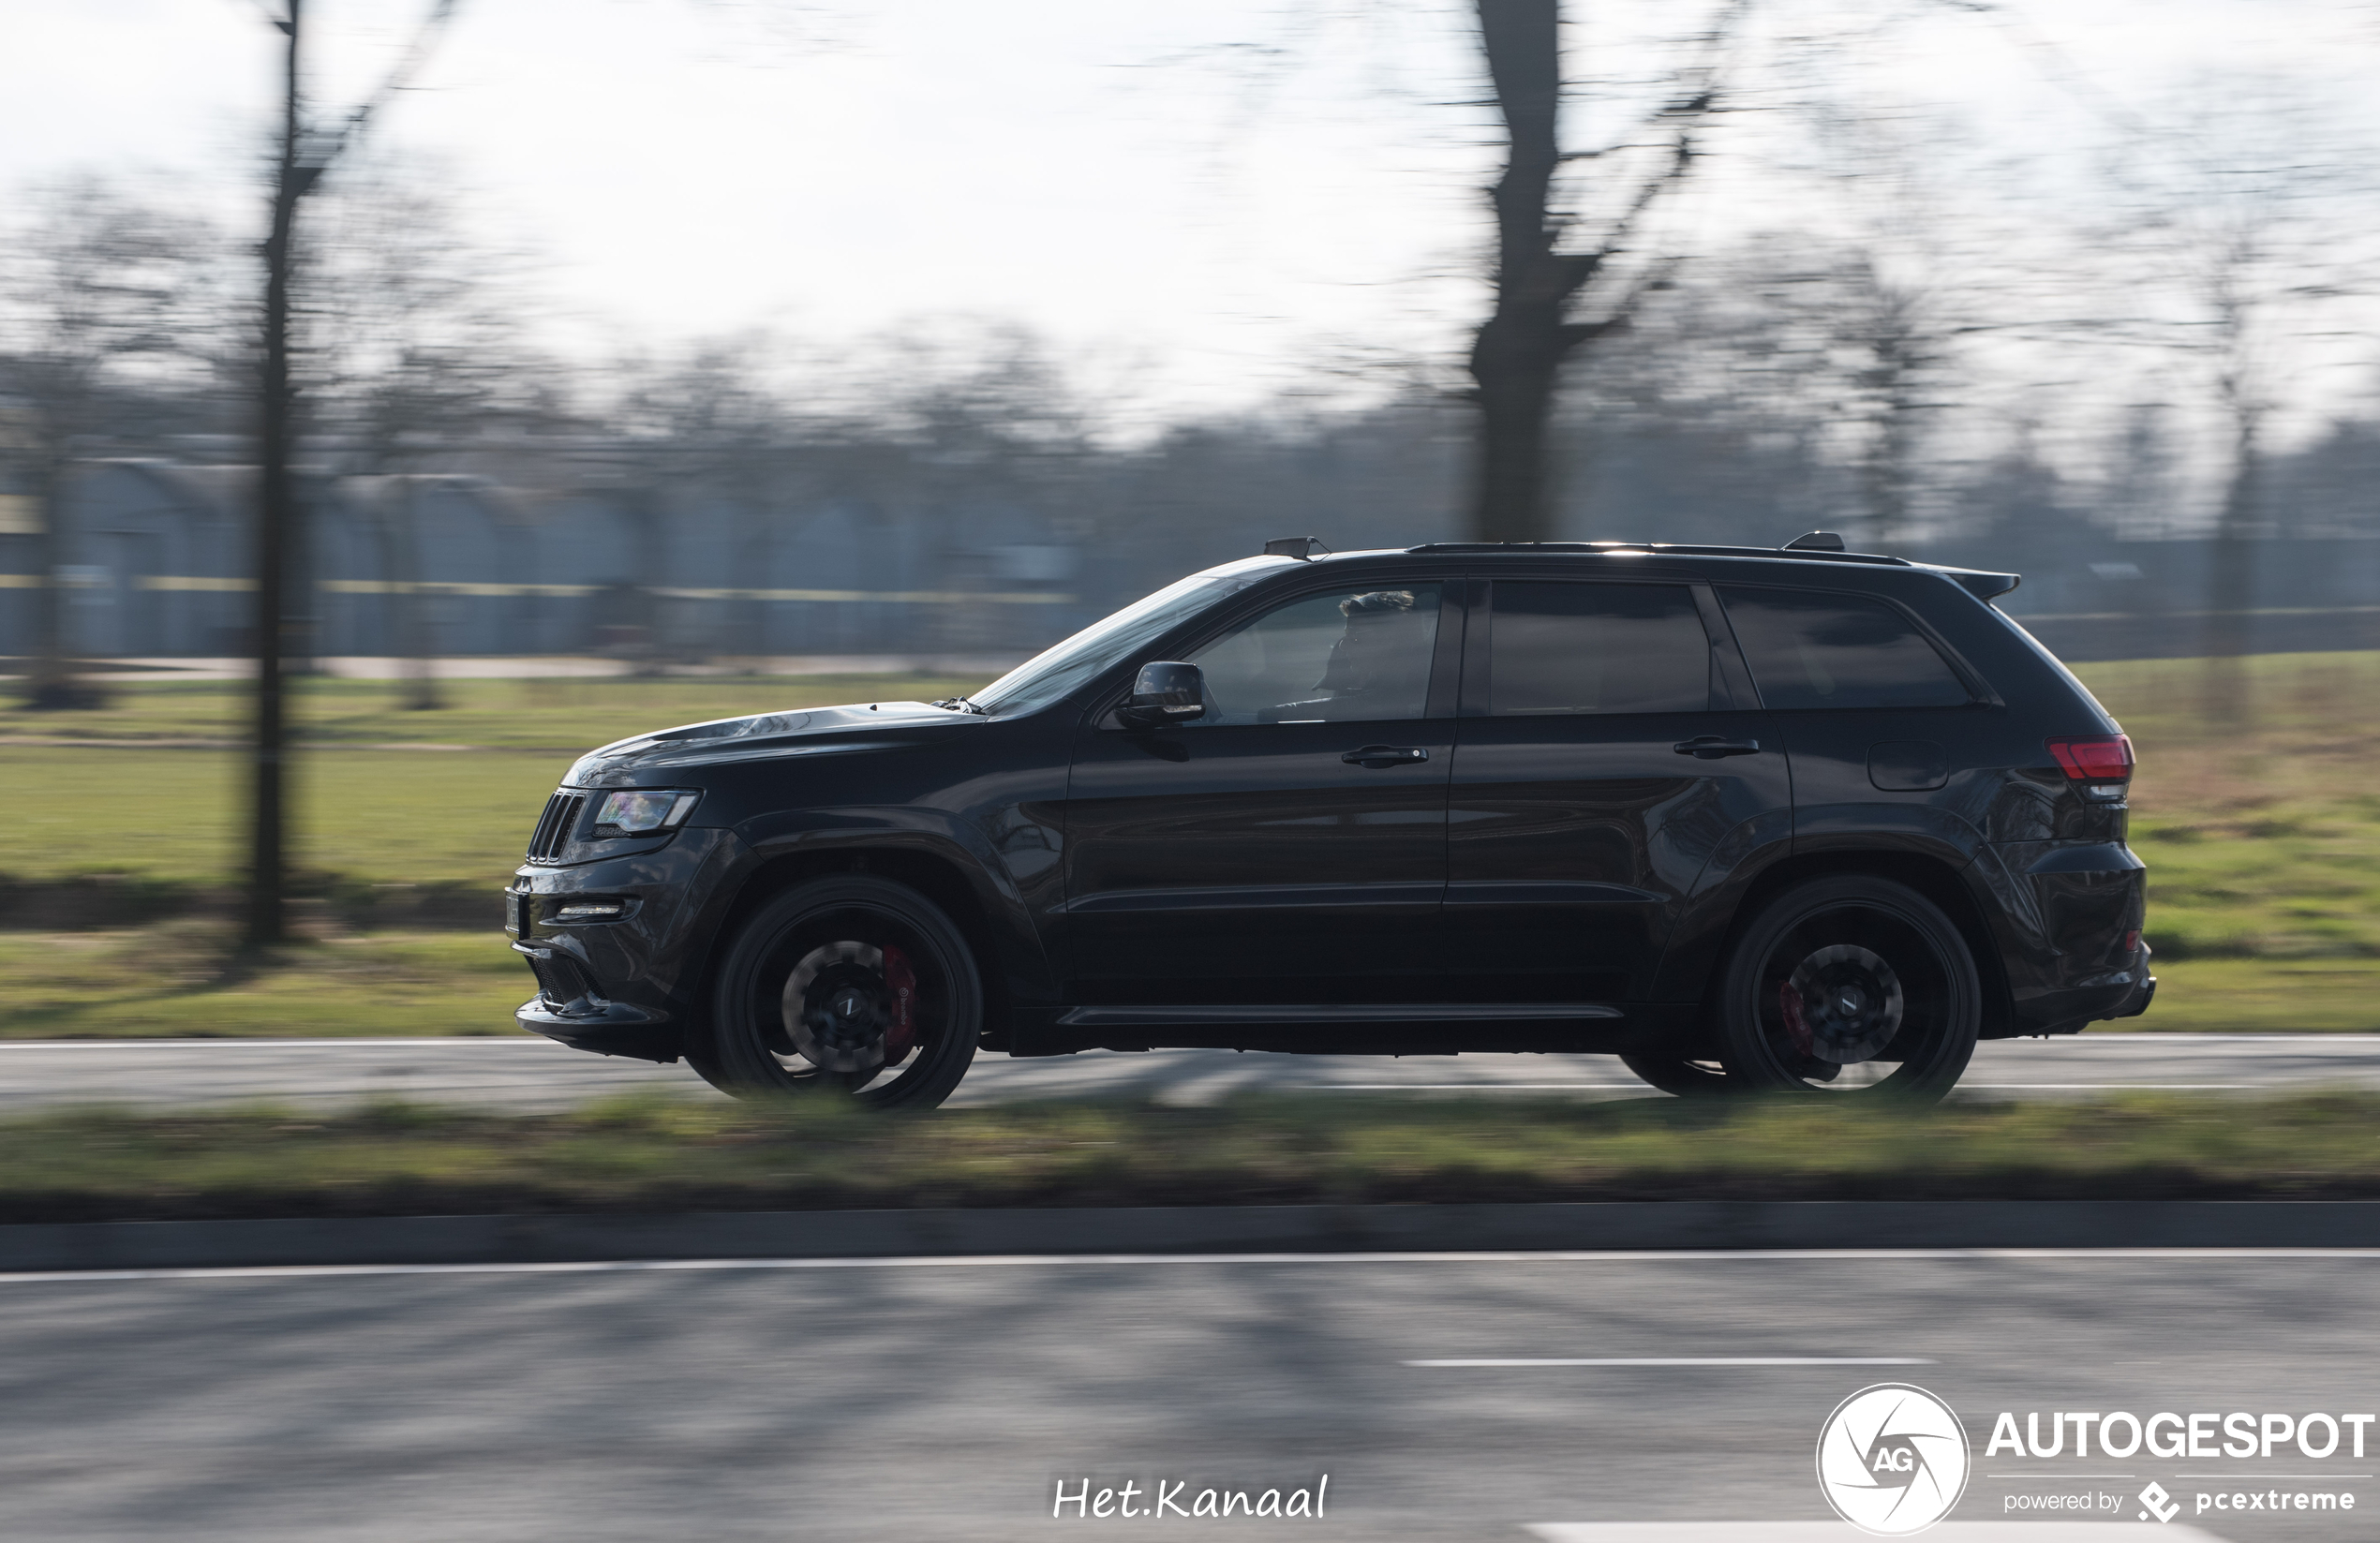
[(1667, 548)]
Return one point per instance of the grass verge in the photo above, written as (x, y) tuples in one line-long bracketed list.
[(183, 980), (651, 1153), (2262, 839)]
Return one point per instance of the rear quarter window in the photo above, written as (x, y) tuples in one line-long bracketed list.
[(1813, 649)]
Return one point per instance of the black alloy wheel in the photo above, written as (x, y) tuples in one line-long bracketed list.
[(847, 986), (1686, 1078), (1850, 985)]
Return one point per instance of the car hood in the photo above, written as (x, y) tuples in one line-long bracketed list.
[(649, 758)]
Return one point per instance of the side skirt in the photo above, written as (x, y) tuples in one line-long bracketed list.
[(1353, 1027)]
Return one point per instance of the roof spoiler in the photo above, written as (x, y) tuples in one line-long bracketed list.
[(1983, 587)]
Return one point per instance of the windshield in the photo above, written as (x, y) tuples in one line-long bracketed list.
[(1058, 671)]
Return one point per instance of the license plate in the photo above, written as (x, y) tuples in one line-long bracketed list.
[(520, 911)]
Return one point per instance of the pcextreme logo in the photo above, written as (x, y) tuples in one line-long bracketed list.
[(1892, 1459)]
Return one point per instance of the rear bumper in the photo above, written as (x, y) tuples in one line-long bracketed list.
[(2139, 1003)]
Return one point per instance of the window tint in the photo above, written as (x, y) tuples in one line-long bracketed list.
[(1345, 656), (1597, 648), (1812, 651)]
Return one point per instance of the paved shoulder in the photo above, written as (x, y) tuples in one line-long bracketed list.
[(526, 1073)]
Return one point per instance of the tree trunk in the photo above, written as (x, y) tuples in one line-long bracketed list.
[(420, 639), (2231, 584), (1518, 355), (54, 684), (276, 503)]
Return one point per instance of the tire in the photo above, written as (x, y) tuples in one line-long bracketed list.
[(1850, 987), (1686, 1078), (809, 998)]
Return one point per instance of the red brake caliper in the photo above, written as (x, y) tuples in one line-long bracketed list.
[(1788, 1002), (900, 1036)]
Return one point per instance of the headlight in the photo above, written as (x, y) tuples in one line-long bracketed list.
[(644, 811)]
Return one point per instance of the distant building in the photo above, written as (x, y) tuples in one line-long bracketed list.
[(159, 562)]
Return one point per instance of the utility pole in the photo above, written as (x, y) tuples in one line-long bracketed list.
[(275, 509)]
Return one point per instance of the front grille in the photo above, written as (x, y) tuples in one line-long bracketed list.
[(555, 827)]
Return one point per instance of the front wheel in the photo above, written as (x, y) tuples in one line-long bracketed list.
[(1850, 985), (849, 986)]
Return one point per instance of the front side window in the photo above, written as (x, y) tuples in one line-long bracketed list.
[(1809, 649), (1342, 656), (1597, 648), (1059, 670)]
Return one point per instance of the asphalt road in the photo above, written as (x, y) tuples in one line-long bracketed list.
[(952, 1398), (526, 1073)]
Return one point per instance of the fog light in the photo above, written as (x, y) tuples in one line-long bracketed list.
[(591, 911)]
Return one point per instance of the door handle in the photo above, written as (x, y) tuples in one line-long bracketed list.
[(1384, 756), (1710, 747)]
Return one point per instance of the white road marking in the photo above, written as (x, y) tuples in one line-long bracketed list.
[(1646, 1088), (420, 1043), (1466, 1087), (2115, 1087), (1840, 1532), (974, 1261), (1685, 1360)]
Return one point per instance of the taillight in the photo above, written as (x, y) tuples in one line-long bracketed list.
[(2100, 765)]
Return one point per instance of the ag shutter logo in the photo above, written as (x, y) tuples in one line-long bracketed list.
[(1892, 1459)]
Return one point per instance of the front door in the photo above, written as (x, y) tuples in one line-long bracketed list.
[(1290, 845), (1603, 766)]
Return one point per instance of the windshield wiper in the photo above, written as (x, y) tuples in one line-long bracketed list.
[(960, 704)]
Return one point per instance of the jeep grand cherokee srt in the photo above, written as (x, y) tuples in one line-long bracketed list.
[(1799, 819)]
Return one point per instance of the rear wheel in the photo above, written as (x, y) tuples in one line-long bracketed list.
[(1686, 1078), (1852, 987), (846, 987)]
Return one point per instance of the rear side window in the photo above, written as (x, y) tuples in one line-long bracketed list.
[(1597, 648), (1818, 650)]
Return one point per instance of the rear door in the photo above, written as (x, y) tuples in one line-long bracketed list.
[(1607, 753)]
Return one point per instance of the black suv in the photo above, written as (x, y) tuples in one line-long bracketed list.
[(1800, 819)]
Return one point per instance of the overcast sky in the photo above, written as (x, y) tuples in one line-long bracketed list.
[(1213, 193)]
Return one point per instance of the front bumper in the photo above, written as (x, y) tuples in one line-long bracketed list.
[(625, 986), (569, 1007)]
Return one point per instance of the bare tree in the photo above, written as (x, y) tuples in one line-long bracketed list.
[(416, 350), (2246, 236), (105, 300), (302, 157), (1554, 297)]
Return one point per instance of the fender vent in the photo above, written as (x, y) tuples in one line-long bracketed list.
[(555, 827)]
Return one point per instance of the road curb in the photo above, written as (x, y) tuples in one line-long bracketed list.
[(1192, 1229)]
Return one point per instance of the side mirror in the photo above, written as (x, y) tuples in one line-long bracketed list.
[(1165, 693)]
